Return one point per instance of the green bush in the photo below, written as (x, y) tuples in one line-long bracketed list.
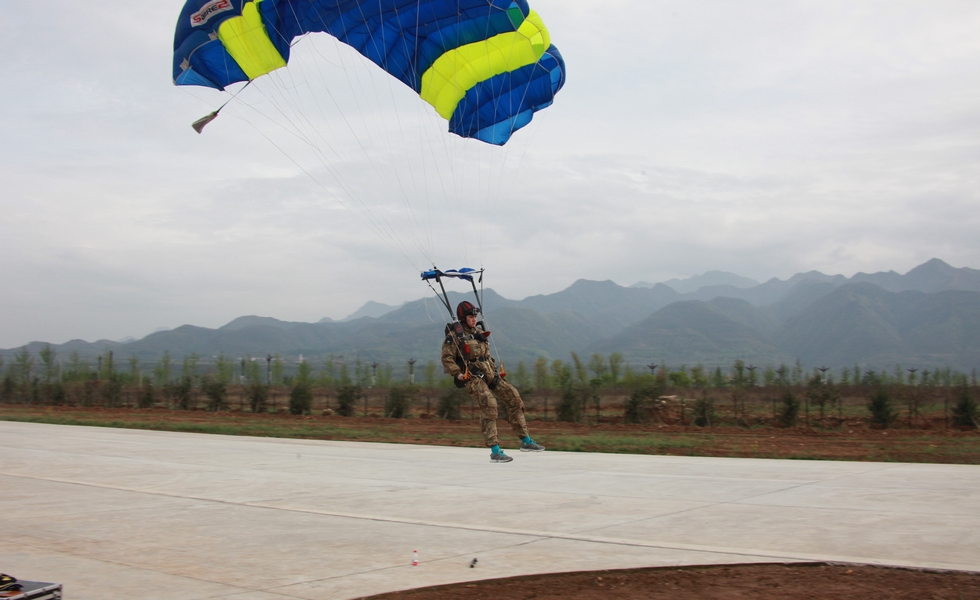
[(301, 399), (258, 397), (637, 407), (347, 397), (112, 390), (145, 399), (880, 407), (965, 410), (182, 393), (450, 404), (790, 410), (569, 408), (703, 411), (398, 404), (217, 394)]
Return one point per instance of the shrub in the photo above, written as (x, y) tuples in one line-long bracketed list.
[(7, 389), (217, 394), (347, 396), (790, 410), (301, 399), (112, 390), (450, 405), (637, 408), (182, 393), (258, 397), (703, 411), (965, 411), (399, 401), (569, 408), (880, 406), (146, 399)]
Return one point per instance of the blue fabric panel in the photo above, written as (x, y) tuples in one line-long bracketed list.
[(404, 37), (495, 108), (194, 46), (191, 77)]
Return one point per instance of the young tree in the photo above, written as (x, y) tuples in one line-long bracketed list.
[(790, 410), (278, 370), (49, 364), (522, 379), (134, 369), (301, 396), (615, 368), (430, 374), (698, 377), (581, 374), (561, 375), (216, 391), (224, 369), (163, 371), (189, 366), (541, 380), (880, 407), (597, 364), (399, 402), (965, 409), (768, 376), (23, 367)]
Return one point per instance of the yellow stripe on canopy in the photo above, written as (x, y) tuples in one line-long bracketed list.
[(449, 78), (247, 41)]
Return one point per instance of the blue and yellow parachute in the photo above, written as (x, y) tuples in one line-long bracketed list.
[(485, 65)]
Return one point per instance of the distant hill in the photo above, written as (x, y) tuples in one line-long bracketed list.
[(691, 331), (711, 278), (927, 317), (370, 309)]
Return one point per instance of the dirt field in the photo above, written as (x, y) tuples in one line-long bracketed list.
[(759, 581), (854, 441)]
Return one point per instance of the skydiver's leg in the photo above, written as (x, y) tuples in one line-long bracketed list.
[(511, 399), (488, 409)]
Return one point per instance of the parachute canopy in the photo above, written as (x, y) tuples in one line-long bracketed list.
[(485, 65)]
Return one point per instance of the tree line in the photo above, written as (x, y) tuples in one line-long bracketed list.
[(577, 384)]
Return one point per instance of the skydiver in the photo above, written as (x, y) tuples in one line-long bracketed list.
[(466, 356)]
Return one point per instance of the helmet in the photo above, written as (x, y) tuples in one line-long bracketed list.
[(465, 309)]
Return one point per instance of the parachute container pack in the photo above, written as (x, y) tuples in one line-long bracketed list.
[(485, 65)]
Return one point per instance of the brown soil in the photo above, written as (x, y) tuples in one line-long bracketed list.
[(855, 440), (730, 582)]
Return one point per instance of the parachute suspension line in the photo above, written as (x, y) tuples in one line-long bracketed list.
[(384, 133), (406, 198), (381, 226), (370, 224), (199, 124), (327, 164)]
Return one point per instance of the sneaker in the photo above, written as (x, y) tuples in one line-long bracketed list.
[(531, 446), (500, 457)]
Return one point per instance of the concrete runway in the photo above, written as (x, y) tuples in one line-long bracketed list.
[(115, 513)]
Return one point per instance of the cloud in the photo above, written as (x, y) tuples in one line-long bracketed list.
[(756, 138)]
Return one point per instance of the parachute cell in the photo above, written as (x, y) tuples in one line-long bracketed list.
[(485, 65)]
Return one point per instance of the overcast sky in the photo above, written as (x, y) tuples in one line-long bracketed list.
[(762, 138)]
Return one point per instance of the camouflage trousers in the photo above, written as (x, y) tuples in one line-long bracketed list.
[(487, 400)]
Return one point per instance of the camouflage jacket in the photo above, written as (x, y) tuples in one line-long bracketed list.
[(472, 347)]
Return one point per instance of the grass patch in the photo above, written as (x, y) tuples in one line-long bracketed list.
[(623, 444)]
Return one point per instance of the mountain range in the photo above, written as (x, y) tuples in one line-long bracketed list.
[(928, 317)]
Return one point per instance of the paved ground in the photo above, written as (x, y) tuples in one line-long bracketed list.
[(135, 514)]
